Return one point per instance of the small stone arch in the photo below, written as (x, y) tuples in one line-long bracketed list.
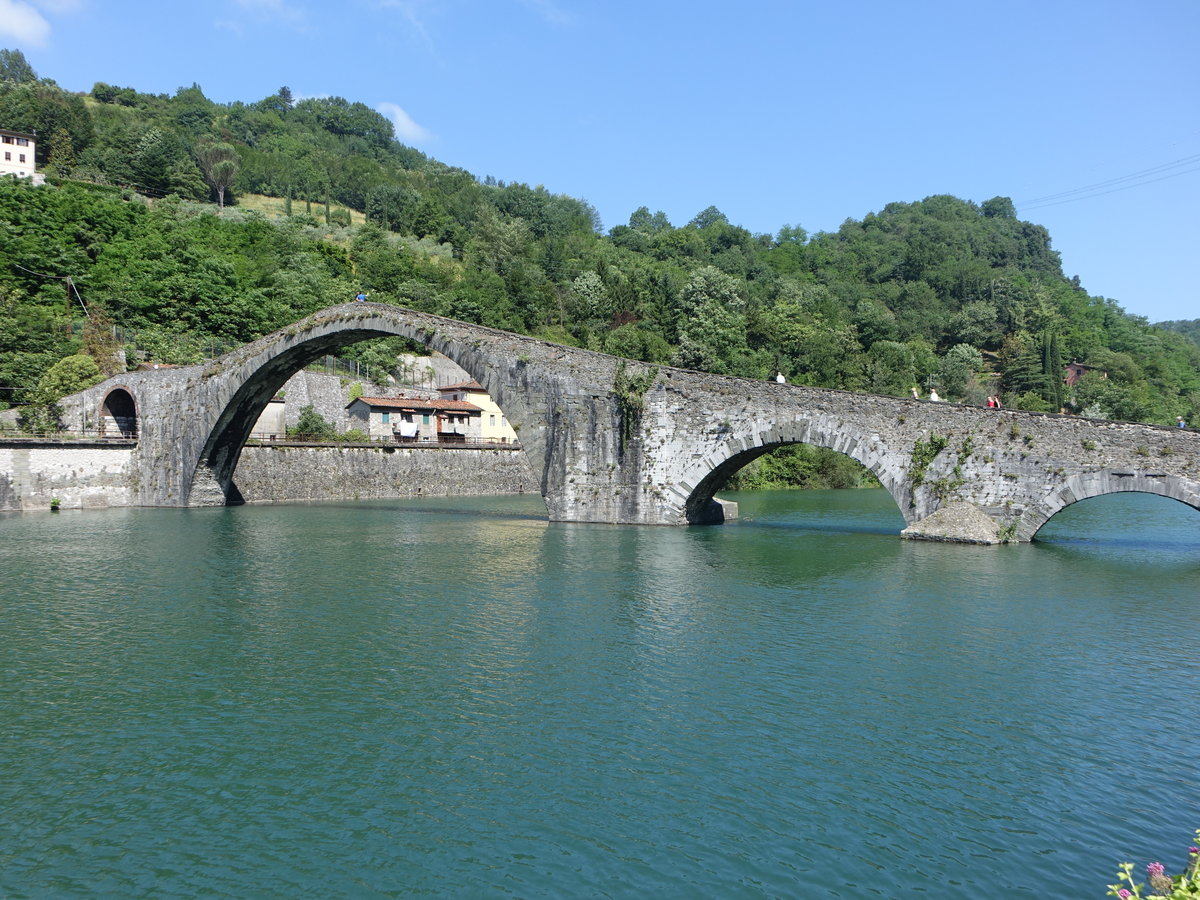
[(737, 451), (1086, 485), (118, 414)]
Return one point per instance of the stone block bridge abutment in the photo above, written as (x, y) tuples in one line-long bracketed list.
[(618, 441)]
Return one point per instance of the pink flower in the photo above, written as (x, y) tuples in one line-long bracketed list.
[(1193, 849), (1124, 894), (1154, 869)]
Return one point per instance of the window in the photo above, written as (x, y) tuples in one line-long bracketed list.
[(22, 142), (387, 417), (491, 420), (425, 419), (7, 156), (22, 157), (7, 139)]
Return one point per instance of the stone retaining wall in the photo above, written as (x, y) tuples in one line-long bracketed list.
[(79, 476), (361, 473), (97, 476)]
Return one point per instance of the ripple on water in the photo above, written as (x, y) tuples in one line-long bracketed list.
[(448, 698)]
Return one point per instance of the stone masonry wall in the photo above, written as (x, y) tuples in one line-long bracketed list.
[(92, 477), (361, 473), (78, 476)]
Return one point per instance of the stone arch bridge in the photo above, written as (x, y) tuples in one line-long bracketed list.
[(624, 442)]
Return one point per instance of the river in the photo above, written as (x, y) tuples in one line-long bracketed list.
[(453, 697)]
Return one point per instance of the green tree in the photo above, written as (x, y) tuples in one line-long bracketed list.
[(1052, 370), (43, 108), (714, 336), (958, 368), (67, 376), (60, 156), (708, 217), (588, 299), (312, 426), (219, 163), (14, 67), (100, 342)]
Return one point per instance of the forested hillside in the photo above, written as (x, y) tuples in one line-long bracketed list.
[(1188, 327), (146, 222)]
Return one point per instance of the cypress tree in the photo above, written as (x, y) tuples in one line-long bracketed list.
[(1052, 370)]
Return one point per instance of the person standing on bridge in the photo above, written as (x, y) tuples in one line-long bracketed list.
[(360, 297), (1179, 421)]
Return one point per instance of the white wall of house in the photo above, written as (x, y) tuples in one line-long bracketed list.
[(18, 152), (493, 426)]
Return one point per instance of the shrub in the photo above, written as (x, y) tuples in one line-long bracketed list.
[(311, 425), (1178, 887)]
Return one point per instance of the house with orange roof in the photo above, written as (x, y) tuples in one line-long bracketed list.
[(416, 420)]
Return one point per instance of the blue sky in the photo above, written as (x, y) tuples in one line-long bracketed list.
[(777, 113)]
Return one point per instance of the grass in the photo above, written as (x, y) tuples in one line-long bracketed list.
[(273, 207)]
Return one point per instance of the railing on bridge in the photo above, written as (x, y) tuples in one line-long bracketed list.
[(68, 436), (443, 442)]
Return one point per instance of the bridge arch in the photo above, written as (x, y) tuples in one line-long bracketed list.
[(256, 372), (118, 415), (1086, 485), (739, 448)]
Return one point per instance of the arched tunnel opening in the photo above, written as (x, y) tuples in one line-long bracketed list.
[(118, 414)]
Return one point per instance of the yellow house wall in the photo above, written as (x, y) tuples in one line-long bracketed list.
[(501, 432)]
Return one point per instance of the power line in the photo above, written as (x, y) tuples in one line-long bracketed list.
[(1184, 166), (71, 289)]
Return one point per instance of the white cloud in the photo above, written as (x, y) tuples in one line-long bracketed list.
[(407, 131), (23, 22), (60, 6)]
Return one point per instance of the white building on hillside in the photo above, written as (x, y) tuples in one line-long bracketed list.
[(17, 154)]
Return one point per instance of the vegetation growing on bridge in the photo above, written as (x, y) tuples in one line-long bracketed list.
[(923, 454), (943, 292), (630, 392)]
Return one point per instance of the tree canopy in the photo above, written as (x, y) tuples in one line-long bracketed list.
[(146, 216)]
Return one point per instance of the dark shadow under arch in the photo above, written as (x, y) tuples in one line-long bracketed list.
[(118, 412)]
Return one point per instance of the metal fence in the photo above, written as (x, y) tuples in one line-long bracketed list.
[(67, 436), (320, 440)]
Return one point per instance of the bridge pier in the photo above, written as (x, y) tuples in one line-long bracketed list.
[(207, 490), (960, 522)]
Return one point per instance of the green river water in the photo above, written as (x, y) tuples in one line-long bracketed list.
[(454, 697)]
